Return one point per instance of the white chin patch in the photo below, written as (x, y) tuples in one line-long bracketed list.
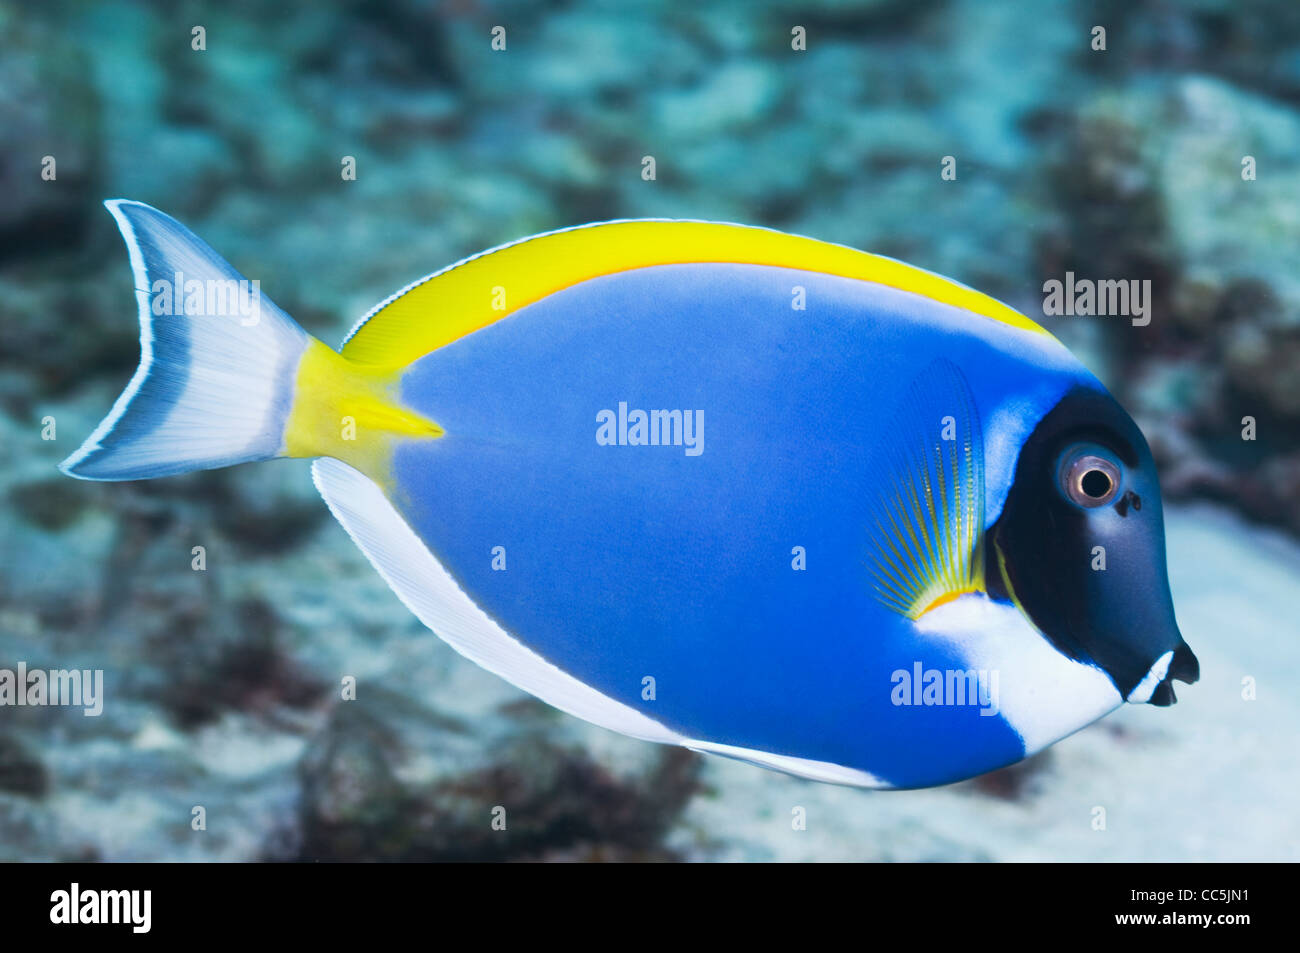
[(1142, 693), (1044, 695)]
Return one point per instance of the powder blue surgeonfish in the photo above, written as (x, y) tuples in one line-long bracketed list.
[(702, 484)]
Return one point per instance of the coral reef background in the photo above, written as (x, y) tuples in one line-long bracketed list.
[(223, 684)]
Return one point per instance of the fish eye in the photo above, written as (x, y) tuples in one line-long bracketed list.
[(1089, 478)]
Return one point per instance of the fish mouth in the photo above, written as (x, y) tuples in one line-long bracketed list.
[(1157, 687)]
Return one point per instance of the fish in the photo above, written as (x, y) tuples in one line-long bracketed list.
[(702, 484)]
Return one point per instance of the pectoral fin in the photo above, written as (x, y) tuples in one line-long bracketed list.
[(927, 519)]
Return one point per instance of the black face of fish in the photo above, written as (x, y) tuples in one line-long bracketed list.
[(1082, 545)]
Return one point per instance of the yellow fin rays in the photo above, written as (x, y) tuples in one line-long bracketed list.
[(925, 538)]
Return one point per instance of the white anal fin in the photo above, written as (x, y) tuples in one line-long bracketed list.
[(798, 767), (429, 591)]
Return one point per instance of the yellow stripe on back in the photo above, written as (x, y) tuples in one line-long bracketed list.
[(484, 289)]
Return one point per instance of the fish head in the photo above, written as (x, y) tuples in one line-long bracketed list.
[(1080, 547)]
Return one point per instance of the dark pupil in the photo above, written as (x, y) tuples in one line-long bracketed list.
[(1095, 483)]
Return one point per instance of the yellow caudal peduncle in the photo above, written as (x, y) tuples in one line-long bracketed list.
[(351, 412)]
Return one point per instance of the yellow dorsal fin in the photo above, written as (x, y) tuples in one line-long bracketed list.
[(488, 287)]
